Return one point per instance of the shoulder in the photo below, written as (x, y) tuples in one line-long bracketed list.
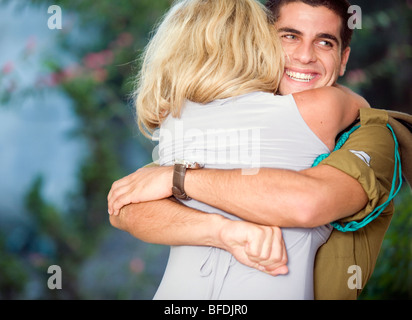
[(323, 112), (326, 94), (320, 103)]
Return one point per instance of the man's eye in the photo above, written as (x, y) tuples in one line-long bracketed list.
[(289, 36), (326, 43)]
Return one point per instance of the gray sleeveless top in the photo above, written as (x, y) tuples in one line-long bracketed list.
[(249, 131)]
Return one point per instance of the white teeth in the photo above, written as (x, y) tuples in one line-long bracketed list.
[(302, 77)]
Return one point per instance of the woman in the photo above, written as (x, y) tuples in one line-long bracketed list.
[(208, 81)]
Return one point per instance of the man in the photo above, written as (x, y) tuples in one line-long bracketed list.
[(316, 42)]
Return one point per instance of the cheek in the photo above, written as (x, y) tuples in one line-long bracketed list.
[(332, 67), (285, 88), (287, 49)]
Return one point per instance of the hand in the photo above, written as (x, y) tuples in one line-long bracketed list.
[(145, 184), (256, 246)]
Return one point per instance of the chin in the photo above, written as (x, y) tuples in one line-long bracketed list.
[(296, 87)]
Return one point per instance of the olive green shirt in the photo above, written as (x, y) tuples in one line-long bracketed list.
[(344, 264)]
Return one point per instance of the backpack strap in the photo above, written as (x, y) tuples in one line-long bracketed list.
[(368, 116), (401, 124)]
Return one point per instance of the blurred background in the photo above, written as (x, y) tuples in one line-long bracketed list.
[(67, 131)]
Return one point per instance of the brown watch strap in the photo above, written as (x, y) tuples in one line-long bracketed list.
[(178, 189)]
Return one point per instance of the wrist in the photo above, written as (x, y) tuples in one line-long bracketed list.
[(180, 169), (201, 185), (189, 180), (168, 178), (215, 234)]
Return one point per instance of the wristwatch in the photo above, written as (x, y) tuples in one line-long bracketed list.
[(179, 173)]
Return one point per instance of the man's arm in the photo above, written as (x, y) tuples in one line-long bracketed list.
[(284, 198), (273, 197)]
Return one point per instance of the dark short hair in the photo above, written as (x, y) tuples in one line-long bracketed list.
[(340, 7)]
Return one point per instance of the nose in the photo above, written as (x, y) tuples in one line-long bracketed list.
[(304, 53)]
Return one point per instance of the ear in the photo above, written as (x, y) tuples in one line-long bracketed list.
[(344, 61)]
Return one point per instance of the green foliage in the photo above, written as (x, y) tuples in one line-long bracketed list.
[(65, 240), (392, 278), (13, 277), (99, 83), (380, 65)]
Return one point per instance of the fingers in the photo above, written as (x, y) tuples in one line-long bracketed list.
[(119, 202), (145, 184), (118, 184), (267, 250), (280, 266), (119, 196), (278, 271), (258, 247)]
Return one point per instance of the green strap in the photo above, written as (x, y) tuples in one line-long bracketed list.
[(339, 144), (355, 225)]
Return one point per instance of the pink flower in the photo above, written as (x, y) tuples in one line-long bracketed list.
[(99, 75), (356, 76), (69, 73), (92, 61), (137, 265), (124, 39), (54, 79), (108, 56), (30, 45), (8, 67), (97, 60), (37, 259), (72, 72)]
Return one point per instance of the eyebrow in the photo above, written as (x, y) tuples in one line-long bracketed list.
[(290, 30), (319, 35)]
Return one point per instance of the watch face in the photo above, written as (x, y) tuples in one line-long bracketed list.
[(180, 161), (189, 164)]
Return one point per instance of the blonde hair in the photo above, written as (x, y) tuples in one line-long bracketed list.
[(205, 50)]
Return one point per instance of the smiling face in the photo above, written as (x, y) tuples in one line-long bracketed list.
[(313, 47)]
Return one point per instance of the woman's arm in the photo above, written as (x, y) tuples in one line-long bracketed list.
[(170, 223)]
